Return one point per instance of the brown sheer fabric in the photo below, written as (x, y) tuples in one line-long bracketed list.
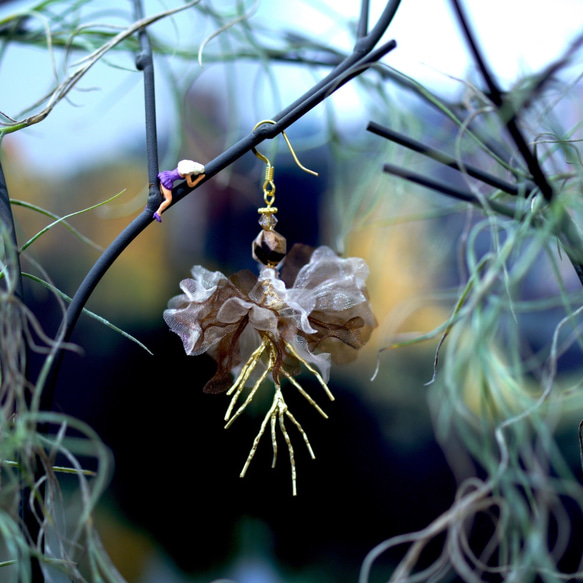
[(298, 256), (326, 316), (341, 334)]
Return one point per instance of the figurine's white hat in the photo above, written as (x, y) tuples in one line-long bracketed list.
[(189, 167)]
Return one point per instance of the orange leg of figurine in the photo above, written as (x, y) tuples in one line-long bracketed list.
[(167, 194)]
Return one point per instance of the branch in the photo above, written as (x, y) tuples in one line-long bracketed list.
[(542, 79), (445, 159), (7, 225), (569, 235), (447, 190), (145, 63), (362, 27), (322, 90), (534, 168), (566, 231)]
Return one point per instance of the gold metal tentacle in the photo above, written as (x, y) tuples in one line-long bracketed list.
[(273, 440), (303, 433), (294, 353), (304, 394), (281, 410), (266, 419), (269, 368), (239, 384)]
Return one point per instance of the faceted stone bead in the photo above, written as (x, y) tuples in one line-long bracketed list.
[(268, 221), (269, 247)]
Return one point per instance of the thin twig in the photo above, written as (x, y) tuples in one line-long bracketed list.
[(362, 27), (7, 224), (548, 73), (450, 191), (145, 63), (534, 168), (445, 159)]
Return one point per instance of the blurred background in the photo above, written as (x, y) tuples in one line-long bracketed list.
[(176, 510)]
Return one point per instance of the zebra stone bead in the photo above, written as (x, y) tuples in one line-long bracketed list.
[(269, 247)]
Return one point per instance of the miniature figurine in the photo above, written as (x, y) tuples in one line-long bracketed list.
[(185, 169)]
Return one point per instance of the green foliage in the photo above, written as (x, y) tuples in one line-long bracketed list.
[(497, 397)]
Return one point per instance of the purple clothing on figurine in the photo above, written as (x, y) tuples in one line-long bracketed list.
[(168, 177)]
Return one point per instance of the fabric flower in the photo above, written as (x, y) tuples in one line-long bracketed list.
[(319, 306), (315, 313)]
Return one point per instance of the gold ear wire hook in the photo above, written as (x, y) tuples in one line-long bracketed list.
[(264, 158)]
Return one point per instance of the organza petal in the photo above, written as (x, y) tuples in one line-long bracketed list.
[(233, 310), (298, 256), (180, 320), (203, 284), (264, 319), (259, 318), (298, 308), (333, 292), (337, 283), (193, 314)]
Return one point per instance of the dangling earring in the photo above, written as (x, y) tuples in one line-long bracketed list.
[(270, 246), (273, 326)]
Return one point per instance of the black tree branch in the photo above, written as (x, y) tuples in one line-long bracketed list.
[(445, 159), (448, 190), (145, 63), (362, 27), (7, 223), (497, 98)]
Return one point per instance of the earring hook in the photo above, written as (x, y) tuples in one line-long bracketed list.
[(265, 159)]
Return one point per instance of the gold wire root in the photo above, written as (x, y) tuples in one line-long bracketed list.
[(302, 432), (273, 441), (256, 386), (266, 419), (304, 394), (290, 449), (293, 352), (278, 410), (239, 384)]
